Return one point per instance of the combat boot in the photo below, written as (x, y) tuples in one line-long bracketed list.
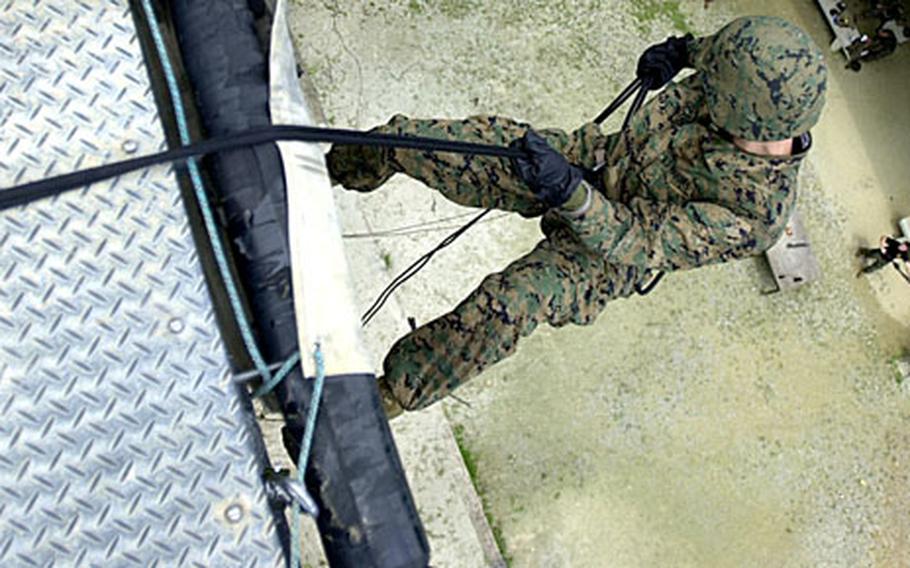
[(389, 403)]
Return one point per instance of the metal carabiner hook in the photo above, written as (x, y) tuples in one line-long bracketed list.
[(282, 488)]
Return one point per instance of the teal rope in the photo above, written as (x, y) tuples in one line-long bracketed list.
[(208, 217), (306, 444), (246, 331), (270, 384)]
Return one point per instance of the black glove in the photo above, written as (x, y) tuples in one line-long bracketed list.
[(661, 62), (547, 172)]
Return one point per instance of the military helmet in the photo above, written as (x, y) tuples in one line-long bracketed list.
[(764, 78)]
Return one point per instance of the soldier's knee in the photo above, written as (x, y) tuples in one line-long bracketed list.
[(398, 398), (400, 384), (357, 167)]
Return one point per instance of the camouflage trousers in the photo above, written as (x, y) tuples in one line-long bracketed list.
[(560, 281)]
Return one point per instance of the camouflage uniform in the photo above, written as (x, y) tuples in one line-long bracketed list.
[(674, 193)]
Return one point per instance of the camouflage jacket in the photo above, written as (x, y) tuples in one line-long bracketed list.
[(675, 193)]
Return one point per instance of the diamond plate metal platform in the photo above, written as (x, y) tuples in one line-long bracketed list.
[(123, 440)]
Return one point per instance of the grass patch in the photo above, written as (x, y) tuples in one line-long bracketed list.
[(470, 463), (453, 9), (457, 9), (646, 11), (897, 364), (416, 8), (311, 69)]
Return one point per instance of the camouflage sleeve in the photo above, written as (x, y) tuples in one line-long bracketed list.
[(665, 236), (581, 146)]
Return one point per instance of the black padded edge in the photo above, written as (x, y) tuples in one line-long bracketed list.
[(367, 514)]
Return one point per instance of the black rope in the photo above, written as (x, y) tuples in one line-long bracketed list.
[(646, 289), (640, 95), (419, 228), (618, 101), (49, 187), (903, 274), (26, 193), (636, 104), (415, 267)]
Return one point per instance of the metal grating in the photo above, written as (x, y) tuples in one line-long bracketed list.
[(123, 440)]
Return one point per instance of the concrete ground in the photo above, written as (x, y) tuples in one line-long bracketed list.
[(709, 424)]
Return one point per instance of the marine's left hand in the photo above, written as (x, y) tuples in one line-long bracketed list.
[(663, 61), (547, 172)]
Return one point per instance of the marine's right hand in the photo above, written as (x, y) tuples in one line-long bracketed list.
[(547, 172)]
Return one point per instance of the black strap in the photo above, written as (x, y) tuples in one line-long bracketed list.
[(646, 289), (28, 192), (416, 267), (619, 100), (640, 90)]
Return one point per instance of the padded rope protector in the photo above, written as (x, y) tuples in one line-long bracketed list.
[(367, 516)]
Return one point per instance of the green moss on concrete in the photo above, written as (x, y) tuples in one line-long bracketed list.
[(647, 11), (416, 7), (454, 9), (470, 463), (897, 364), (457, 8)]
